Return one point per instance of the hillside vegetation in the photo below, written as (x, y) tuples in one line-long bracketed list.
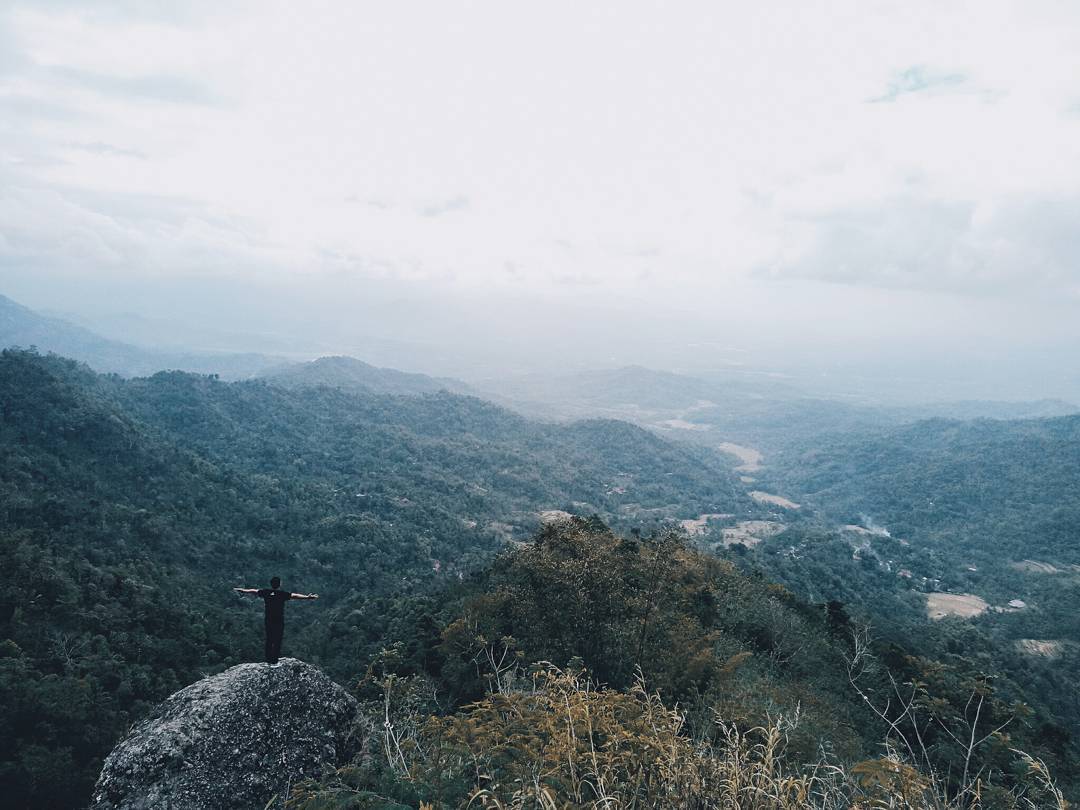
[(458, 598), (130, 508), (588, 669), (982, 513), (23, 327), (774, 416), (350, 374)]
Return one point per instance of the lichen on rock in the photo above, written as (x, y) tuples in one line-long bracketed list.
[(233, 740)]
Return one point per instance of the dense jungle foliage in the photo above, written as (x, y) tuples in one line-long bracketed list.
[(587, 669), (129, 508), (985, 508), (953, 483)]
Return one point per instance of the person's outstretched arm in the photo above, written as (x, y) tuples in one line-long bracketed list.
[(305, 596), (246, 590)]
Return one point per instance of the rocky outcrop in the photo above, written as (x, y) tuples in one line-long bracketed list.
[(233, 740)]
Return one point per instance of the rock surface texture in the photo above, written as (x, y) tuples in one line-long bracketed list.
[(233, 740)]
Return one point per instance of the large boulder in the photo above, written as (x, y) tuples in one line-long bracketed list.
[(233, 740)]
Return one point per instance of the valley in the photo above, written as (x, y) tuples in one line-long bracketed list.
[(381, 489), (539, 406), (751, 458)]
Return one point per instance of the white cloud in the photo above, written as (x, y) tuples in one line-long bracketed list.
[(681, 151), (1008, 247), (920, 79), (69, 231)]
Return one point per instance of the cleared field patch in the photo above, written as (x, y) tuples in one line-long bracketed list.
[(852, 528), (1035, 567), (750, 457), (775, 500), (698, 527), (1040, 647), (856, 529), (682, 424), (554, 516), (966, 605), (751, 532)]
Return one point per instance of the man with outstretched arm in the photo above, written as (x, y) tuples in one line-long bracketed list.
[(275, 600)]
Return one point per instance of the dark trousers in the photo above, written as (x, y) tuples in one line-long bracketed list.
[(274, 632)]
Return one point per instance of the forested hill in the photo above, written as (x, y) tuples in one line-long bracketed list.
[(20, 326), (974, 523), (350, 374), (129, 508), (648, 673), (953, 481)]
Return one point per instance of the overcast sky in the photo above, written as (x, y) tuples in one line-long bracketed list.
[(782, 175)]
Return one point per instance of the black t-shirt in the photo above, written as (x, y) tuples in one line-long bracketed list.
[(275, 603)]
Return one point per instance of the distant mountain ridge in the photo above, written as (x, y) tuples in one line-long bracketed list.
[(23, 327), (771, 414), (350, 374), (626, 390), (762, 411), (987, 409)]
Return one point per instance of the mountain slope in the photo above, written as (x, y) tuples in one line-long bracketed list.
[(20, 326), (947, 479), (350, 374), (962, 537), (130, 508), (771, 415), (639, 669)]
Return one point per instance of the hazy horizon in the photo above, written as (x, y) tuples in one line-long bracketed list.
[(877, 202)]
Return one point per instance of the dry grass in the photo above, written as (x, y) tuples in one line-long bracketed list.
[(965, 605), (1042, 648), (698, 527), (750, 458), (555, 516), (682, 424), (1036, 567), (775, 500), (559, 742), (752, 532)]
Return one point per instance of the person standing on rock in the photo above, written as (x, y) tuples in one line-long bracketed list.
[(275, 600)]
